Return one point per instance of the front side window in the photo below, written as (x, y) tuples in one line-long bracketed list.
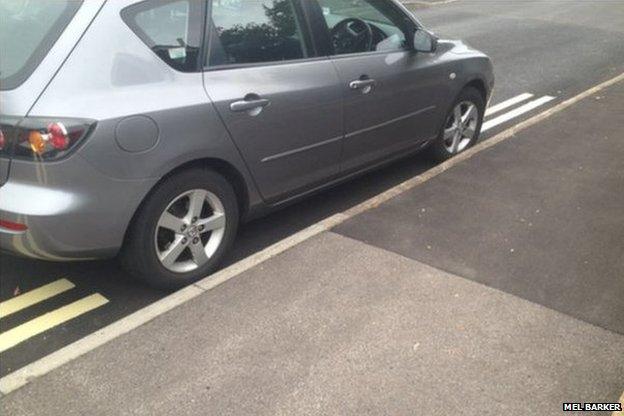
[(358, 26), (254, 31), (28, 30), (171, 28)]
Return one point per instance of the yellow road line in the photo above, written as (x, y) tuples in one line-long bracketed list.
[(41, 324), (34, 296)]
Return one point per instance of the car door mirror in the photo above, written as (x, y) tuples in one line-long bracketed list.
[(424, 41)]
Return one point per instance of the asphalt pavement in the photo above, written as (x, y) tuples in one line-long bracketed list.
[(541, 48), (362, 320), (540, 216)]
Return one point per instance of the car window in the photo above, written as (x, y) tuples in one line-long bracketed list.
[(364, 25), (171, 28), (254, 31), (28, 30)]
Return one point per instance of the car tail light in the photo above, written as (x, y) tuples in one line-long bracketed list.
[(43, 138), (6, 135), (13, 226), (58, 136), (55, 137)]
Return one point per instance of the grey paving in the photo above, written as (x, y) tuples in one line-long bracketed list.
[(335, 326), (540, 216), (556, 47)]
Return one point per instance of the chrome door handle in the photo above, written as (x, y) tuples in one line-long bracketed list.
[(366, 85), (249, 105)]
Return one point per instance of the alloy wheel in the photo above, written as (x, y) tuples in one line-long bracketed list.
[(461, 127), (190, 231)]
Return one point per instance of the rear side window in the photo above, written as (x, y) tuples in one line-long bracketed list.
[(255, 31), (28, 30), (170, 28)]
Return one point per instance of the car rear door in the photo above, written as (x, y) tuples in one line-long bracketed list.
[(391, 92), (279, 100)]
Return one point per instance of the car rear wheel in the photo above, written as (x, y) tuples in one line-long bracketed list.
[(183, 230), (462, 125)]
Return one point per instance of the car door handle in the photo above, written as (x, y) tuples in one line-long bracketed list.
[(249, 105), (366, 85)]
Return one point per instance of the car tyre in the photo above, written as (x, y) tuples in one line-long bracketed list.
[(189, 213), (457, 136)]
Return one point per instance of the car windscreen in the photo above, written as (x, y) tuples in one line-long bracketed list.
[(28, 30)]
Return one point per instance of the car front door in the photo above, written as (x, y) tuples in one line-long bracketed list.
[(391, 93), (279, 100)]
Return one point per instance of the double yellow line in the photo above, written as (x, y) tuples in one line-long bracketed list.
[(49, 320)]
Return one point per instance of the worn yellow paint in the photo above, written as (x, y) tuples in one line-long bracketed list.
[(41, 324), (33, 297)]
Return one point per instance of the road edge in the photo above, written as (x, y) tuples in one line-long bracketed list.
[(44, 365)]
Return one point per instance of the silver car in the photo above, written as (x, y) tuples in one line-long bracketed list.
[(149, 130)]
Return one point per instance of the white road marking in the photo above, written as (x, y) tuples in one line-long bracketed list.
[(531, 105), (507, 103), (25, 375)]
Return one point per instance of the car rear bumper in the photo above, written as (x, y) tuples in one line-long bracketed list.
[(72, 211)]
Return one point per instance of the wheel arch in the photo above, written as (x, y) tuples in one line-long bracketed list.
[(227, 170), (479, 85), (474, 82)]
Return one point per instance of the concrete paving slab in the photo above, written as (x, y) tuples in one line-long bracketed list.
[(335, 326), (540, 216)]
